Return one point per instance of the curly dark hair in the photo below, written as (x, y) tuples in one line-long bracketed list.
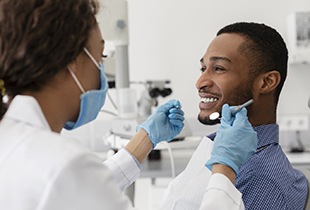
[(38, 38), (264, 47)]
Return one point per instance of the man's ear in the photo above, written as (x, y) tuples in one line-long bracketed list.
[(268, 81)]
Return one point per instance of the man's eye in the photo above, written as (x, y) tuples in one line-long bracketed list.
[(202, 69), (104, 56), (218, 68)]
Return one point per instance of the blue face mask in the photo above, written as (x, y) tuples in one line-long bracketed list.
[(91, 101)]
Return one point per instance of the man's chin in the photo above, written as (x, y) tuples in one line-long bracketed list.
[(207, 121)]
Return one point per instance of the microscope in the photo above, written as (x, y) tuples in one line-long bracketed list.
[(125, 127), (154, 89)]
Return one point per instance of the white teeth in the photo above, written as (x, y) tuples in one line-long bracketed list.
[(208, 100)]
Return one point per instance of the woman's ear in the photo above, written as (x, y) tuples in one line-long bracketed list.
[(268, 81), (77, 63), (72, 66)]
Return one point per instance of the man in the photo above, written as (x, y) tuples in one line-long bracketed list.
[(244, 61)]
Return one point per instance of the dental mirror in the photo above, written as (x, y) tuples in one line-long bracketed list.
[(216, 115)]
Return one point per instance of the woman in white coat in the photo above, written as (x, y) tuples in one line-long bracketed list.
[(52, 77)]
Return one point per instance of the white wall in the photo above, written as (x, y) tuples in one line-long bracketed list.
[(168, 37)]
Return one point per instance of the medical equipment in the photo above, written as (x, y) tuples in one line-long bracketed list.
[(216, 115), (298, 39), (300, 146), (148, 100), (125, 127)]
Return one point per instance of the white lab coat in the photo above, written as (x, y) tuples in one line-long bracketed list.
[(42, 170)]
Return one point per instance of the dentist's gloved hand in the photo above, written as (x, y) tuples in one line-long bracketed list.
[(235, 140), (165, 123)]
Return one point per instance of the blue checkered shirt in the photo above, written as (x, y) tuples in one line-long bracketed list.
[(267, 180)]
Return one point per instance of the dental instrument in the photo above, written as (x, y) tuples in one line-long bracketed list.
[(178, 107), (216, 115)]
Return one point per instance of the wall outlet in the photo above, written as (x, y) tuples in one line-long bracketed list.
[(293, 123)]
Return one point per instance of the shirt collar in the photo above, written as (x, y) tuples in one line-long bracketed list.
[(266, 134), (26, 109)]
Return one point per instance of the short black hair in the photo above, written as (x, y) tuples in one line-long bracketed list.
[(264, 47)]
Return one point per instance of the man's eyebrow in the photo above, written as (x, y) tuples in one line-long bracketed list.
[(102, 41), (218, 58)]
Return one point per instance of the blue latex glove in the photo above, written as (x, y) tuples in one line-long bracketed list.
[(165, 123), (235, 140)]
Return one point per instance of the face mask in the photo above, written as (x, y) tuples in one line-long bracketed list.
[(91, 101)]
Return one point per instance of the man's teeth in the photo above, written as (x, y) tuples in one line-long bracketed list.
[(208, 100)]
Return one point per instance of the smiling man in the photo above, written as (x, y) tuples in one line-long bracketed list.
[(244, 61)]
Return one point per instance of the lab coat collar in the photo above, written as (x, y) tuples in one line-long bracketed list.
[(27, 110)]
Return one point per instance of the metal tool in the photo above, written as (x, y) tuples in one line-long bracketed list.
[(216, 115)]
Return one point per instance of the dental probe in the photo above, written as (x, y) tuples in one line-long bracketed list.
[(216, 115), (178, 107)]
